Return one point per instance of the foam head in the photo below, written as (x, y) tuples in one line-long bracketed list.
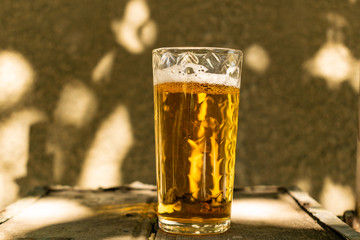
[(195, 73)]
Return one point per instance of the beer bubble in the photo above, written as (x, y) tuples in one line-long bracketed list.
[(189, 70), (202, 69)]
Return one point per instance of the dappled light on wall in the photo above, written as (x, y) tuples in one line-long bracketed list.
[(334, 61), (113, 140), (304, 184), (77, 105), (257, 58), (16, 78), (14, 150), (74, 112), (136, 30), (102, 70), (337, 198)]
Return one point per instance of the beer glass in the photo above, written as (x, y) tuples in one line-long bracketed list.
[(196, 101)]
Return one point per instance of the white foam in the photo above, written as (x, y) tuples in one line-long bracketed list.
[(194, 73)]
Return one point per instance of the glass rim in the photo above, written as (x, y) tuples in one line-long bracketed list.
[(222, 49)]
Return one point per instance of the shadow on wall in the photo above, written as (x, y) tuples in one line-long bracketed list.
[(69, 122), (76, 103)]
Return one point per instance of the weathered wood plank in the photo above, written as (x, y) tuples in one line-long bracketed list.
[(84, 214), (21, 204), (323, 216), (266, 213), (129, 213)]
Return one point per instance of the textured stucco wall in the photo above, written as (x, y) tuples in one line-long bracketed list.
[(82, 92)]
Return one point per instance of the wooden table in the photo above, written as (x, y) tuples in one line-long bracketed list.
[(63, 213)]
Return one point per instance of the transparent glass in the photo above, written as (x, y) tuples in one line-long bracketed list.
[(196, 101)]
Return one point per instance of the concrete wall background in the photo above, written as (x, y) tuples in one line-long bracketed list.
[(76, 102)]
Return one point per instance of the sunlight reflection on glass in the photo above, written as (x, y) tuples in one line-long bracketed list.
[(102, 70), (257, 59), (136, 30), (14, 150), (102, 166), (16, 78), (337, 198), (76, 106)]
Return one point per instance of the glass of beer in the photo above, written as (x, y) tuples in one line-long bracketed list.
[(196, 98)]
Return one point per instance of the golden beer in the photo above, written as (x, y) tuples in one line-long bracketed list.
[(196, 99), (196, 127)]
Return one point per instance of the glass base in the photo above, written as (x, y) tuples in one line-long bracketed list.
[(194, 228)]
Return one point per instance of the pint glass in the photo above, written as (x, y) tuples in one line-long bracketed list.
[(196, 98)]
